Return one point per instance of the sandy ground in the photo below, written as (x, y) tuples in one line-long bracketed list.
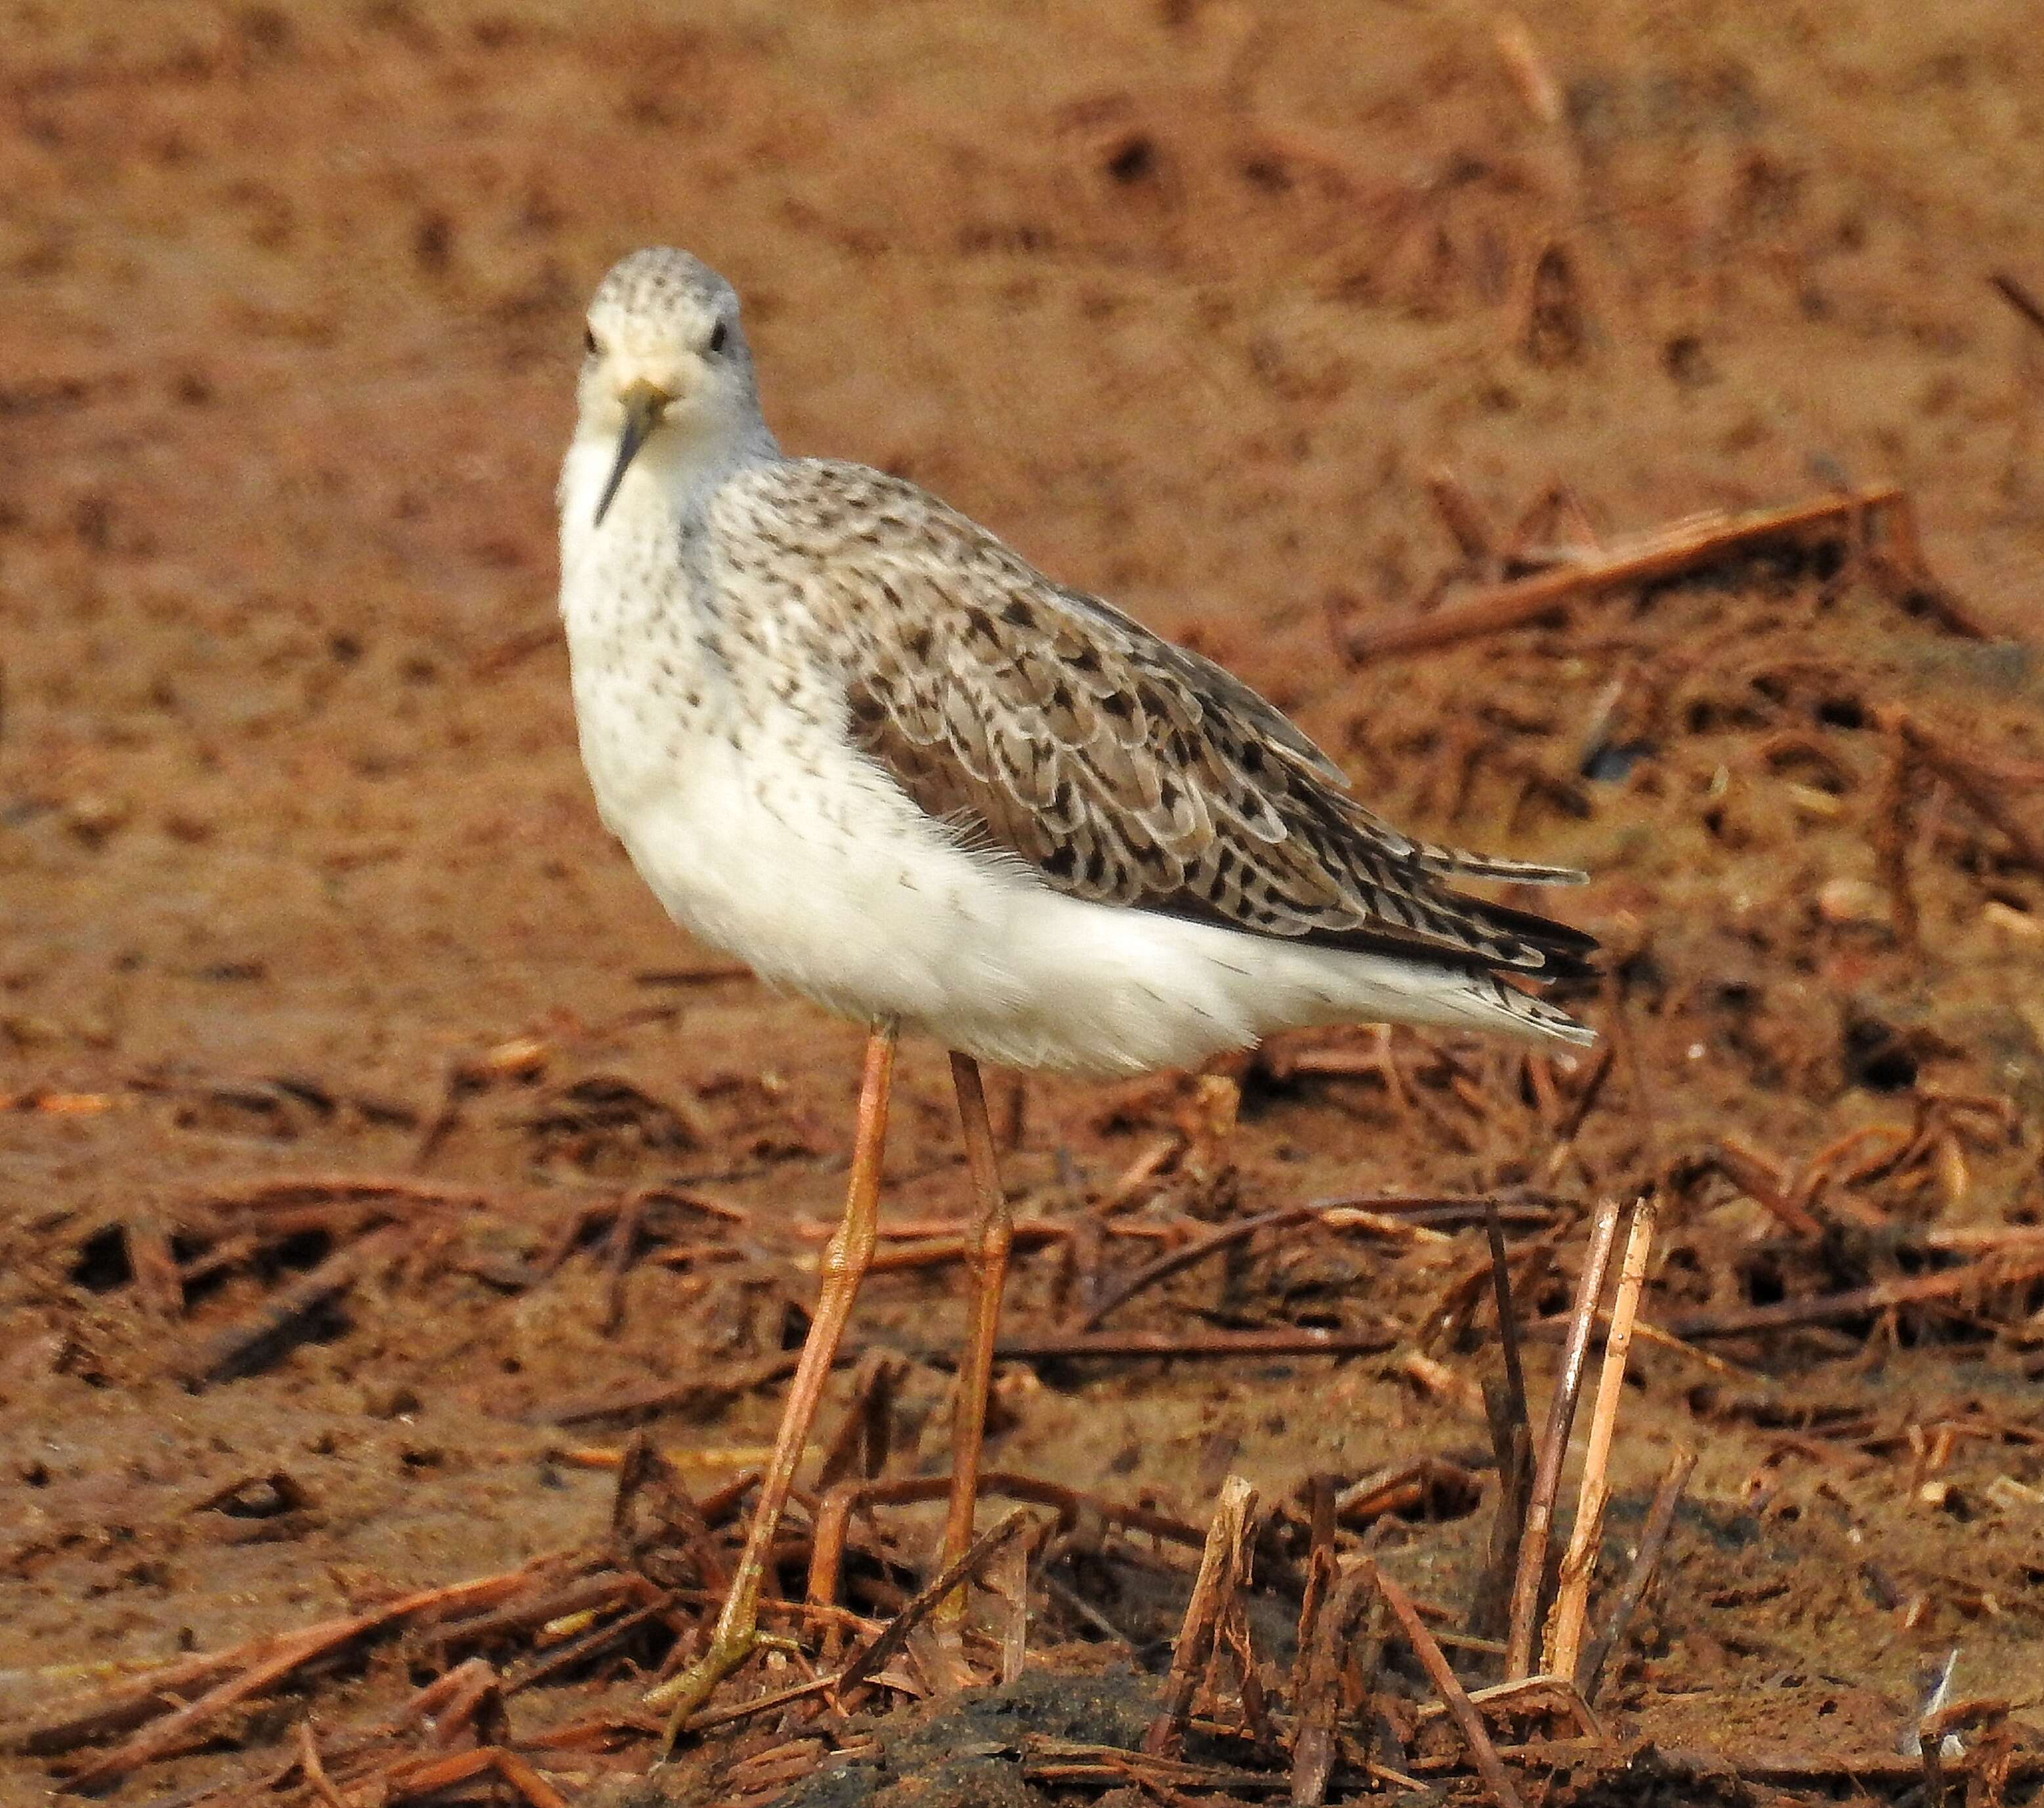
[(301, 880)]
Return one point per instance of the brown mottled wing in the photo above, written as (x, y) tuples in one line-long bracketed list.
[(1124, 769)]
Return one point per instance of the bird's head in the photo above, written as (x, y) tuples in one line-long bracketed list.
[(665, 364)]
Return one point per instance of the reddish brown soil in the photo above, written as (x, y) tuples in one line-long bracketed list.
[(302, 879)]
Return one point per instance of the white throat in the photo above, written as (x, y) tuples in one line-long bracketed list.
[(669, 485)]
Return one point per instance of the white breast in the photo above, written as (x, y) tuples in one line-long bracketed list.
[(728, 775)]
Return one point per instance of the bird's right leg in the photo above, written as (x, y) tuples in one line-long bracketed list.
[(991, 1244), (845, 1260)]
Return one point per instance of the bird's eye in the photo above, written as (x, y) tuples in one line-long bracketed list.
[(589, 340), (718, 334)]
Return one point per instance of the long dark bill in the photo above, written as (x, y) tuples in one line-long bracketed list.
[(642, 414)]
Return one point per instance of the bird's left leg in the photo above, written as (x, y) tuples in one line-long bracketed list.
[(846, 1259), (989, 1273)]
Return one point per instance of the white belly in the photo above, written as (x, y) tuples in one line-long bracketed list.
[(806, 863)]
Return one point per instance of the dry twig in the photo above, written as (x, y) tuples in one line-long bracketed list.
[(244, 1671), (1653, 1540), (700, 1393), (894, 1636), (1859, 1302), (1981, 785), (154, 1265), (1686, 547), (1564, 1624), (1051, 1345), (241, 1347), (1374, 1212), (834, 1511), (1453, 1696), (1532, 1577)]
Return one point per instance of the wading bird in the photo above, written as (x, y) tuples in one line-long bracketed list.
[(846, 735)]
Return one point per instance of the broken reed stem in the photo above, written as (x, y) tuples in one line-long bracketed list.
[(1461, 515), (313, 1768), (710, 1718), (1660, 1520), (941, 1252), (1508, 1318), (1454, 1698), (154, 1265), (1511, 1443), (1984, 789), (537, 1792), (1233, 1642), (283, 1190), (701, 1394), (1320, 1667), (1686, 546), (1220, 1573), (1532, 1575), (1321, 1496), (1571, 1597), (1176, 1261), (1558, 1694), (857, 1449)]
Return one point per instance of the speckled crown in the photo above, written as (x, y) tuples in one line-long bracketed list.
[(654, 278)]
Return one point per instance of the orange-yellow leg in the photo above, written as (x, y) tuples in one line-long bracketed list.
[(990, 1275), (845, 1260)]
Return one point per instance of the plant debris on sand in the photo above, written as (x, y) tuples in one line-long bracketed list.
[(1617, 447)]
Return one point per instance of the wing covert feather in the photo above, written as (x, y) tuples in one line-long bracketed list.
[(1124, 770)]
